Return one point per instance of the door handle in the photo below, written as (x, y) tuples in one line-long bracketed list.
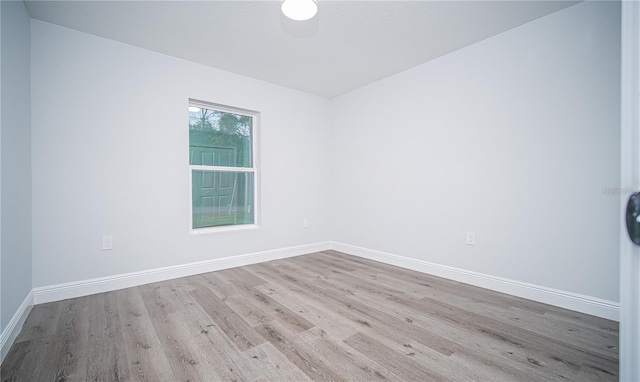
[(633, 218)]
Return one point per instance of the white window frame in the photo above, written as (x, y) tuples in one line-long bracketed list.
[(255, 160)]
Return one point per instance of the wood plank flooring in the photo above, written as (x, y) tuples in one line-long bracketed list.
[(325, 317)]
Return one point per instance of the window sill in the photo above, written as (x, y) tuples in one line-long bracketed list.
[(226, 228)]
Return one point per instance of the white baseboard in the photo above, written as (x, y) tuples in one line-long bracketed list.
[(567, 300), (12, 330), (105, 284), (573, 301)]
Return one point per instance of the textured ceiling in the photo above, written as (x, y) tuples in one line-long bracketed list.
[(348, 45)]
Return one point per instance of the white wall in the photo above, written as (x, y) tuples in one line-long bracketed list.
[(513, 138), (110, 157), (15, 160)]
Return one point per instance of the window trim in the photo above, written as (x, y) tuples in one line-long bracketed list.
[(254, 169)]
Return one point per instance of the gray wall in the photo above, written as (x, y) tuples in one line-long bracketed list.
[(110, 157), (514, 138), (15, 159)]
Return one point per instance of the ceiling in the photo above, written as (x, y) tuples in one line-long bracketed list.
[(348, 45)]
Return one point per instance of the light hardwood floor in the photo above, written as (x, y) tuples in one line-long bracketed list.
[(324, 316)]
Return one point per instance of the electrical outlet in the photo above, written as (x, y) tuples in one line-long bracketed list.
[(107, 243), (471, 238), (305, 223)]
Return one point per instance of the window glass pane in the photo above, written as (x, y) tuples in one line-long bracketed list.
[(221, 198), (218, 138)]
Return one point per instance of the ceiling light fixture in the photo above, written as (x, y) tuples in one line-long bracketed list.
[(299, 10)]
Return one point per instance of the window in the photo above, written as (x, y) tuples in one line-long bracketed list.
[(222, 162)]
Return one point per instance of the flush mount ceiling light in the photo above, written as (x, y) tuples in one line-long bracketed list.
[(299, 10)]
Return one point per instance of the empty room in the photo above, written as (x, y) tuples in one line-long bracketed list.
[(320, 190)]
